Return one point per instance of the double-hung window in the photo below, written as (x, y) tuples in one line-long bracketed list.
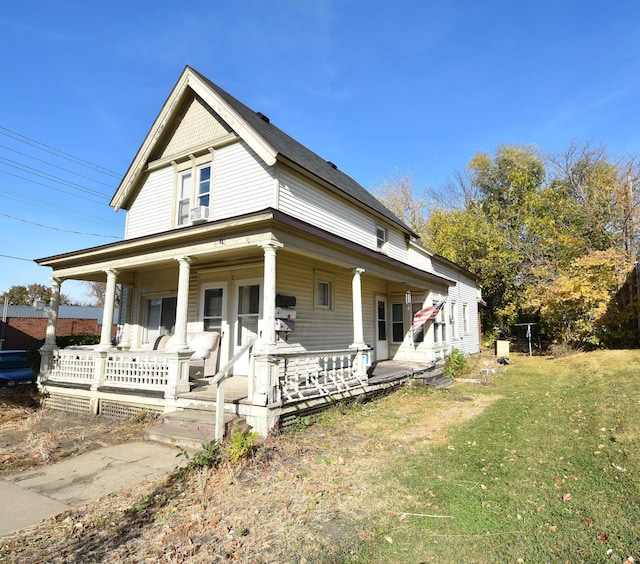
[(381, 238), (194, 190), (397, 322)]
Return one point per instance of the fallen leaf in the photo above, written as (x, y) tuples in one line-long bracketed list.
[(587, 521), (603, 537), (389, 540), (566, 497), (553, 528)]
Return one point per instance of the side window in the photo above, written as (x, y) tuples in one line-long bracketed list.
[(194, 190), (161, 318), (184, 197), (381, 238), (397, 322), (418, 336), (204, 186), (323, 290)]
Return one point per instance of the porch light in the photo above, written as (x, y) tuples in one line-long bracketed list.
[(407, 297)]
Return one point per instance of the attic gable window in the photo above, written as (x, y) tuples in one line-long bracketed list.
[(381, 238)]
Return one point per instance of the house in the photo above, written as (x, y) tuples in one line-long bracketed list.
[(23, 326), (235, 229)]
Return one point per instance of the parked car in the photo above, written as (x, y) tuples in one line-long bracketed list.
[(15, 371)]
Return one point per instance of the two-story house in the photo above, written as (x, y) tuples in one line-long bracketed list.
[(240, 241)]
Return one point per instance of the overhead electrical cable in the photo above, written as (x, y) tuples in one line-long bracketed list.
[(58, 228), (50, 206), (58, 167), (47, 176), (47, 148), (16, 258), (52, 187)]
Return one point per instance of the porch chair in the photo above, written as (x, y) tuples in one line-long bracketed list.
[(205, 346)]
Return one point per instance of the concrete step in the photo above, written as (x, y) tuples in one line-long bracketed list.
[(191, 429)]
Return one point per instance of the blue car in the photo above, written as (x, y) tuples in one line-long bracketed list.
[(15, 371)]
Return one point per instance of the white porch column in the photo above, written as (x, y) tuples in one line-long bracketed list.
[(109, 305), (358, 330), (269, 295), (182, 305), (52, 315)]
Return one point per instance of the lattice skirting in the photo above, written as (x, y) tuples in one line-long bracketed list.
[(119, 410), (70, 404)]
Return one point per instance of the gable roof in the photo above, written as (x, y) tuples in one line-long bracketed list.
[(268, 141)]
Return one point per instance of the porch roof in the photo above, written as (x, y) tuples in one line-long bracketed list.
[(217, 237)]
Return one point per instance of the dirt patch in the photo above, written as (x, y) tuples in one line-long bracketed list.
[(306, 493), (31, 436)]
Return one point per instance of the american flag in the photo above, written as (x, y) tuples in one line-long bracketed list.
[(426, 314)]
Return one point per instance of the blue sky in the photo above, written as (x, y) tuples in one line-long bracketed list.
[(373, 86)]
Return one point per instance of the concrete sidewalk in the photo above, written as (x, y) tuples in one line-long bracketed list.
[(34, 495)]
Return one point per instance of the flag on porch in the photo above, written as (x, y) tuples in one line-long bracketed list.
[(426, 314)]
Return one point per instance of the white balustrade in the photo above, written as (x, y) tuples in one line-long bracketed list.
[(316, 374)]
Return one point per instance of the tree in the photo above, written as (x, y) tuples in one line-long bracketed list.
[(398, 193), (579, 306), (26, 295), (96, 292)]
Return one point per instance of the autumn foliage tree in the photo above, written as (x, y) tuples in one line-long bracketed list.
[(550, 237), (26, 295)]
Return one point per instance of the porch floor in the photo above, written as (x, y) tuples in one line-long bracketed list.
[(389, 370), (236, 389)]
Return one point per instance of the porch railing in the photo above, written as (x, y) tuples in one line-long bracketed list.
[(159, 371), (306, 375)]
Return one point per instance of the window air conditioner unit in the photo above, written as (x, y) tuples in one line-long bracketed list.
[(199, 214)]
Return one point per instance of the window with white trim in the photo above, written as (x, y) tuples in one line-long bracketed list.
[(192, 194), (418, 335), (161, 318), (381, 238), (323, 290), (452, 321), (465, 318), (439, 327), (397, 322)]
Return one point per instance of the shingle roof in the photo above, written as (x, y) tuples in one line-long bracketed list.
[(300, 155)]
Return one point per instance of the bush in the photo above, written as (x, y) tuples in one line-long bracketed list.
[(456, 364), (241, 444)]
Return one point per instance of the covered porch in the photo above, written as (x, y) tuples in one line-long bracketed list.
[(226, 280)]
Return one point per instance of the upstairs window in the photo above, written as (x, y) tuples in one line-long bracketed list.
[(184, 197), (204, 186), (187, 198), (381, 238)]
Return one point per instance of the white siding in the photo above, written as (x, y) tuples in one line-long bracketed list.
[(241, 182), (151, 210), (317, 207), (463, 293), (419, 259)]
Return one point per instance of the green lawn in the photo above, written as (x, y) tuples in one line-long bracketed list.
[(549, 472)]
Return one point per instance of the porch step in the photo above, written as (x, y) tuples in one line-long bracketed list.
[(190, 429), (434, 377)]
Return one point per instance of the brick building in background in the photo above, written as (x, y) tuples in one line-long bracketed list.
[(22, 326)]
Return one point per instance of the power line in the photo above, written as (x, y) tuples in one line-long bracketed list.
[(58, 167), (73, 212), (47, 148), (47, 176), (52, 187), (58, 228), (16, 258)]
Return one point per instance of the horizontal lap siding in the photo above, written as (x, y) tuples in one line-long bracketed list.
[(315, 206), (464, 292), (151, 210), (241, 182), (316, 329)]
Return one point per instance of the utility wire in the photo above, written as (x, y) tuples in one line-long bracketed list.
[(58, 167), (16, 258), (43, 147), (73, 212), (52, 187), (58, 228), (47, 176)]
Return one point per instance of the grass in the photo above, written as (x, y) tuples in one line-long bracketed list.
[(547, 473)]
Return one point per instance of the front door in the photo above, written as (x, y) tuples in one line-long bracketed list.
[(382, 343), (214, 316), (248, 305)]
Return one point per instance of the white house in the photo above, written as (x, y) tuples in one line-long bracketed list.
[(242, 242)]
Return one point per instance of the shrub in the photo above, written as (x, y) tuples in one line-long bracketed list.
[(241, 444), (456, 364)]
